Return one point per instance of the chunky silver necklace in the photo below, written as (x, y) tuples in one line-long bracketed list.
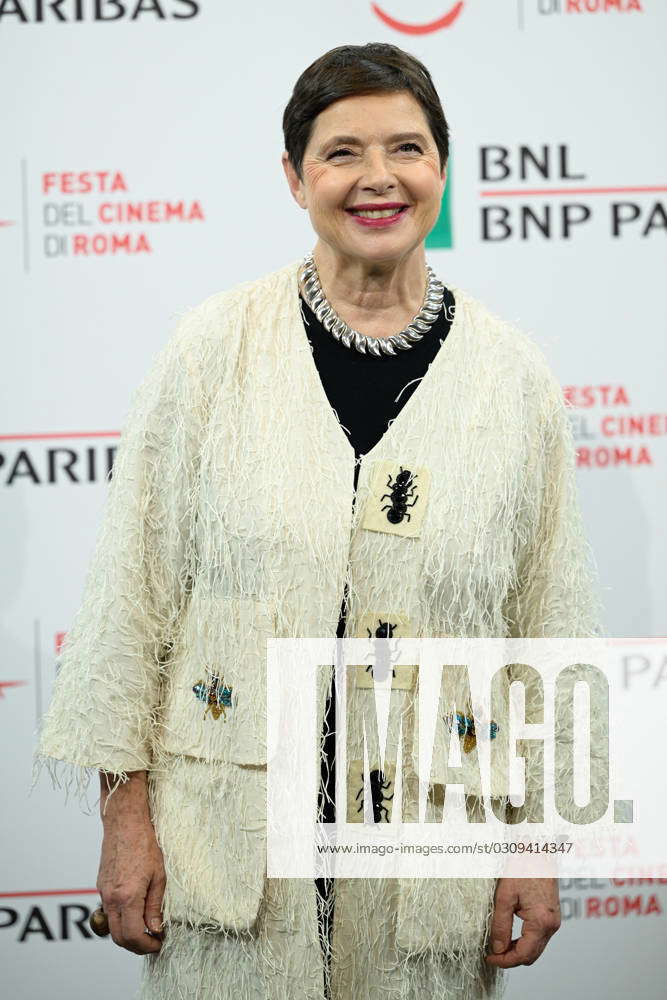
[(377, 346)]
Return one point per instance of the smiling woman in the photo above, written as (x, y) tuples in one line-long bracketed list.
[(345, 446), (370, 170)]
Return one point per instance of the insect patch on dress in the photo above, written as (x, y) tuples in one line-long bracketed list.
[(384, 630), (397, 498), (376, 625), (216, 695), (466, 728), (380, 782)]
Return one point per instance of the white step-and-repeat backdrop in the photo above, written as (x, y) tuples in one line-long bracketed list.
[(140, 172)]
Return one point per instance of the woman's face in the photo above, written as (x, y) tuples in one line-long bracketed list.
[(370, 150)]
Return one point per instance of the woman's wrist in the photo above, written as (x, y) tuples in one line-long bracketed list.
[(129, 798)]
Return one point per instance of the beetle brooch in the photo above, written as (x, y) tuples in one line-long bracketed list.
[(216, 696), (401, 489), (384, 631), (378, 787), (466, 729)]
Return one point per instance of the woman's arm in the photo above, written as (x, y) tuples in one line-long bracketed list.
[(102, 712), (556, 596), (131, 878), (557, 593)]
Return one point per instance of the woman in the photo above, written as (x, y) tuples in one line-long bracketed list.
[(246, 501)]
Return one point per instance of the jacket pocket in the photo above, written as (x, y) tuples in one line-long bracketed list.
[(449, 916), (214, 701), (210, 822)]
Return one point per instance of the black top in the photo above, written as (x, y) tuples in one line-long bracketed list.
[(368, 392), (364, 390)]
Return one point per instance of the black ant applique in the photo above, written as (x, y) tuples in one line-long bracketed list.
[(383, 631), (378, 788), (401, 488)]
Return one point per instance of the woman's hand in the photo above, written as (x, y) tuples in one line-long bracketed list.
[(131, 878), (537, 902)]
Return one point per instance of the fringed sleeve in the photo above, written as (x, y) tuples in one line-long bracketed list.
[(556, 592), (106, 690)]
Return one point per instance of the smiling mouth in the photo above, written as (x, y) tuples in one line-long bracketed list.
[(385, 213)]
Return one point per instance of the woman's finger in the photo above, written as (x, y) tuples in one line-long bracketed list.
[(522, 951), (126, 924), (153, 904), (134, 929)]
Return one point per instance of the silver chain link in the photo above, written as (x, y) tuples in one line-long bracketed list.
[(377, 346)]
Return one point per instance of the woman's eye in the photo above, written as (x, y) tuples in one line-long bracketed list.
[(339, 152)]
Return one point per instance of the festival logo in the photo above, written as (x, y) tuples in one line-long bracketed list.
[(607, 431), (588, 6), (531, 12), (425, 28), (92, 214), (600, 898)]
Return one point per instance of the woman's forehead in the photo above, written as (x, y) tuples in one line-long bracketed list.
[(382, 116)]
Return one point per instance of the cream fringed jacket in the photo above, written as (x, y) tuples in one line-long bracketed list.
[(230, 518)]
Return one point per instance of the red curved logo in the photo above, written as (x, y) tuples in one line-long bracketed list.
[(420, 29), (9, 684)]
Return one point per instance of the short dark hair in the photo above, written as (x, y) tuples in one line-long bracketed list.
[(350, 70)]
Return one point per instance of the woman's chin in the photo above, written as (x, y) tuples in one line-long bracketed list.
[(378, 246)]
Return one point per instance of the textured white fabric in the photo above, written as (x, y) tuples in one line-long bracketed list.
[(230, 518)]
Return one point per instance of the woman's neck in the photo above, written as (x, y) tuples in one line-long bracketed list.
[(376, 299)]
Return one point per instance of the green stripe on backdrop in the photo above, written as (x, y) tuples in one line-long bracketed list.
[(441, 236)]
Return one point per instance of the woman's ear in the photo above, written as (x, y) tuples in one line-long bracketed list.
[(295, 185)]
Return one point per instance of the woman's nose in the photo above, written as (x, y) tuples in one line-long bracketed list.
[(376, 170)]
